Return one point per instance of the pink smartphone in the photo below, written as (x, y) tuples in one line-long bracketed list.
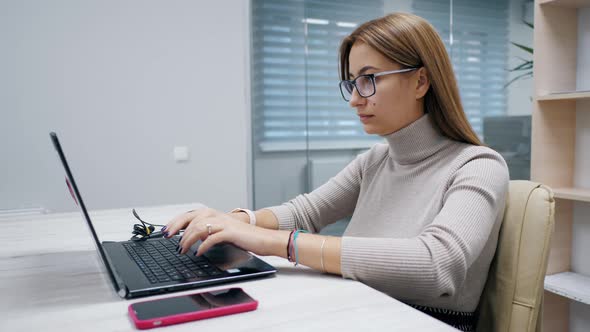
[(180, 309)]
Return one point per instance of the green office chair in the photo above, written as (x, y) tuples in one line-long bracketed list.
[(513, 295)]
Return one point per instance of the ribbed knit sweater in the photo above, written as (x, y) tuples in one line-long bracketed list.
[(426, 212)]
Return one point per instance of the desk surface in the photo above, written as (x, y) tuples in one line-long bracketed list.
[(51, 279)]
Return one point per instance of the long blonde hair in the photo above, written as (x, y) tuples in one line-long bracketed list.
[(411, 41)]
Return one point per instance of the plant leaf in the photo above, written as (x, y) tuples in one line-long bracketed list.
[(521, 76), (522, 47), (523, 66), (530, 25)]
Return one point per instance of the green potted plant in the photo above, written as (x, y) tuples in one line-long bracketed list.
[(525, 68)]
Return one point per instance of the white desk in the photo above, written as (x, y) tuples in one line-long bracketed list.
[(52, 280)]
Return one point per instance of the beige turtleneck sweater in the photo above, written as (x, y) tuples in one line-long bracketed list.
[(426, 212)]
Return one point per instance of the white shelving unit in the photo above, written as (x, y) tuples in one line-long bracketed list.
[(572, 285), (572, 95), (560, 130), (574, 194)]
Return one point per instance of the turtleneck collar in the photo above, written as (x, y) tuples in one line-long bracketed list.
[(415, 142)]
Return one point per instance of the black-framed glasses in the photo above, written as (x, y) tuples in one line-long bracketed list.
[(365, 84)]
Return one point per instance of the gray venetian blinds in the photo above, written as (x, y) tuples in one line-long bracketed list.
[(296, 101), (479, 51)]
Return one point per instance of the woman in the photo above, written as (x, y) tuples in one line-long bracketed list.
[(426, 207)]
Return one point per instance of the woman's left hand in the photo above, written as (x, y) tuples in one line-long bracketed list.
[(212, 227)]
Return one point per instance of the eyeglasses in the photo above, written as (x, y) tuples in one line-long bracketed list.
[(365, 84)]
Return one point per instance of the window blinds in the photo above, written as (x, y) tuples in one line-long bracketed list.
[(296, 101), (478, 49), (295, 98)]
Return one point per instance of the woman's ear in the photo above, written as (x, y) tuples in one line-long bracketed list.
[(423, 83)]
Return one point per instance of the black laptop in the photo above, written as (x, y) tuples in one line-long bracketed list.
[(141, 268)]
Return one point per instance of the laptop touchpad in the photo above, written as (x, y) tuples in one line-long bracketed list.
[(227, 256)]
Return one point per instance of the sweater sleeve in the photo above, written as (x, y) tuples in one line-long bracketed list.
[(329, 203), (435, 263)]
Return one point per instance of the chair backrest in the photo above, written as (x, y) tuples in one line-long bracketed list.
[(513, 294)]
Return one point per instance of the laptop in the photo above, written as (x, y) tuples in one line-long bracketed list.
[(142, 268)]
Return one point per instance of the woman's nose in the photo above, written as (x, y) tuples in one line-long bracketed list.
[(356, 99)]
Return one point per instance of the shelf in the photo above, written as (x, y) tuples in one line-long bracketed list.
[(566, 3), (574, 194), (572, 285), (575, 95)]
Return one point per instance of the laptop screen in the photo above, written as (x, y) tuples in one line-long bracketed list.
[(71, 183)]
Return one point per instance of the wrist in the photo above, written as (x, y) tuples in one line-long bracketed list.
[(241, 216), (251, 215), (276, 243)]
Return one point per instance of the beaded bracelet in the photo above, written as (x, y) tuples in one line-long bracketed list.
[(295, 235), (322, 255), (292, 248), (289, 257)]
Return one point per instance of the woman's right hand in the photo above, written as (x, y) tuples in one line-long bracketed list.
[(212, 227), (186, 217)]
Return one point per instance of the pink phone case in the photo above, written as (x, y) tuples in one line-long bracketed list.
[(190, 316)]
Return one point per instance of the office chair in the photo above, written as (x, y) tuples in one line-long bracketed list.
[(513, 295)]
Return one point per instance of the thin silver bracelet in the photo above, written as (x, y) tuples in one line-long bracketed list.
[(322, 255)]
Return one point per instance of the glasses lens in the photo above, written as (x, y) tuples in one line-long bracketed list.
[(346, 89), (365, 86)]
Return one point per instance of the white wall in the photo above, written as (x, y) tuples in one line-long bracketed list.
[(123, 82), (583, 56)]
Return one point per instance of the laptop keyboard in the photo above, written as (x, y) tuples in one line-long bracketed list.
[(160, 262)]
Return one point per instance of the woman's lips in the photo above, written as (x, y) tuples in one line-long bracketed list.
[(365, 118)]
